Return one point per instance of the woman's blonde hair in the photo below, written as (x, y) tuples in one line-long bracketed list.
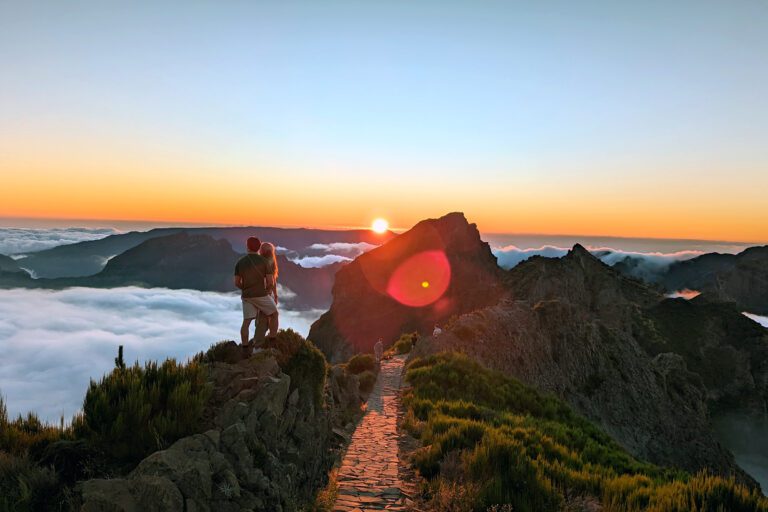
[(268, 251)]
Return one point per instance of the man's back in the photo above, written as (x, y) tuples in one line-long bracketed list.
[(253, 269)]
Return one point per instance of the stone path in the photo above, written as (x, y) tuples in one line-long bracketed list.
[(371, 476)]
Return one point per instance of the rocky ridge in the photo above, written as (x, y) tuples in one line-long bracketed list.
[(266, 444), (610, 346)]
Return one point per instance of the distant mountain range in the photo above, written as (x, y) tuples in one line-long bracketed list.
[(741, 278), (89, 258), (198, 258)]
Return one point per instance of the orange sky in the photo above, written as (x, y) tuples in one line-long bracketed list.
[(631, 119)]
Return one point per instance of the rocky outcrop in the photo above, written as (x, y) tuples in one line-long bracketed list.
[(266, 445), (438, 269), (607, 344)]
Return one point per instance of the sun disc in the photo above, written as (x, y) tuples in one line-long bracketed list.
[(380, 226)]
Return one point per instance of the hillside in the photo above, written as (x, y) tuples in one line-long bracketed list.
[(609, 346), (490, 440)]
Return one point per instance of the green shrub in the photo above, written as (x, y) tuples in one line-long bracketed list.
[(531, 451), (302, 360), (28, 434), (134, 411), (24, 486), (367, 381), (405, 343), (360, 363)]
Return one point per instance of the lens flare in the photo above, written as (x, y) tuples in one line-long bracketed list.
[(420, 280)]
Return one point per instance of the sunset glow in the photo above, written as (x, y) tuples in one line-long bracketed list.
[(641, 126)]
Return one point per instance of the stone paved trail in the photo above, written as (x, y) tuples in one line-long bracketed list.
[(371, 476)]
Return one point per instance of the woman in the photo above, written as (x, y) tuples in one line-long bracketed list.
[(267, 251)]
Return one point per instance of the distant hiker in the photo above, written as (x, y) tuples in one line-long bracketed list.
[(268, 252), (253, 278), (437, 332), (378, 350)]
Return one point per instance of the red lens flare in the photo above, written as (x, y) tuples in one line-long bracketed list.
[(421, 279)]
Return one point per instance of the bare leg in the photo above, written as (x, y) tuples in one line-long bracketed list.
[(262, 323), (273, 325), (244, 330)]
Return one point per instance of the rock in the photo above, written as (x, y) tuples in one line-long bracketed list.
[(263, 449), (143, 494)]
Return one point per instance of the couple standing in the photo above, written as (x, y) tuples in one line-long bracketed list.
[(256, 276)]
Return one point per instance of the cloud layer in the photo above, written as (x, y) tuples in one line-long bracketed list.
[(53, 343), (321, 255), (24, 240), (762, 320)]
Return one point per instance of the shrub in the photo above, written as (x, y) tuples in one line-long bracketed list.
[(405, 343), (302, 360), (28, 435), (360, 363), (512, 445), (134, 411), (367, 381), (25, 486)]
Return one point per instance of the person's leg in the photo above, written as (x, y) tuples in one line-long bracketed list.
[(273, 325), (244, 330)]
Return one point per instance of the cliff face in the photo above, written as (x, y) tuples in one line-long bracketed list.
[(607, 344), (438, 269), (266, 445)]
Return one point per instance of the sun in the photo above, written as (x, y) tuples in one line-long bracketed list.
[(380, 226)]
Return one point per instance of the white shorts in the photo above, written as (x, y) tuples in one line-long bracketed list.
[(252, 306)]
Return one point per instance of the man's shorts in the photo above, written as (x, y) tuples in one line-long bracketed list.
[(252, 306)]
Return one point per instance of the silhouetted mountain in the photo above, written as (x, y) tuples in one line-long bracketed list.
[(89, 258), (371, 293)]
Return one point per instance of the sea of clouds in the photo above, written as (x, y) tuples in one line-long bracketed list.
[(25, 240), (53, 342)]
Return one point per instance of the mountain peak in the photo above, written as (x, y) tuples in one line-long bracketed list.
[(437, 269)]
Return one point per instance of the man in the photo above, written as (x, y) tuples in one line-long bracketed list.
[(254, 278)]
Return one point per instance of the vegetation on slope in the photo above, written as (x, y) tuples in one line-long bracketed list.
[(489, 440)]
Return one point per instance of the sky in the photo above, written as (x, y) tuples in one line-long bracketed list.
[(632, 119)]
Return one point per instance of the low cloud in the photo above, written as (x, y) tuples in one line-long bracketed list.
[(53, 342), (762, 320), (684, 294), (24, 240), (345, 248), (643, 264), (320, 261)]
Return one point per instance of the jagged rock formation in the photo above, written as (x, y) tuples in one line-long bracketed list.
[(365, 307), (266, 444), (741, 278), (619, 353)]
